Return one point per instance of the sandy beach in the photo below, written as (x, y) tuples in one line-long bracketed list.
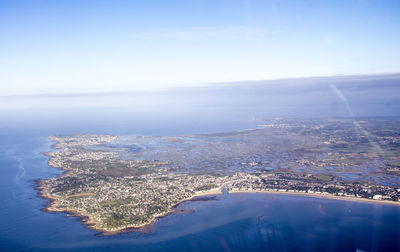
[(323, 196)]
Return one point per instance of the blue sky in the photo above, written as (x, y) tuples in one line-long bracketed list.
[(82, 46)]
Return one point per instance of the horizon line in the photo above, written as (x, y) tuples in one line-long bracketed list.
[(197, 85)]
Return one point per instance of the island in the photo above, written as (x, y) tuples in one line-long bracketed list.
[(124, 183)]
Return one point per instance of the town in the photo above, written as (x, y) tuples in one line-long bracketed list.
[(115, 187)]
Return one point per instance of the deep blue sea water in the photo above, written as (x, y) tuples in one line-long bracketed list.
[(235, 222), (232, 223)]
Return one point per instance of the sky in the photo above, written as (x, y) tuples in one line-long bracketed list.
[(85, 46)]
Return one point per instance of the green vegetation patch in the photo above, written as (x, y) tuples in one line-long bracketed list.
[(206, 187)]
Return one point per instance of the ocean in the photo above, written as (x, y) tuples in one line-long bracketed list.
[(235, 222), (245, 222)]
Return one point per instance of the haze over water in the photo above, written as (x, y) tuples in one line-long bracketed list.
[(219, 107), (231, 223)]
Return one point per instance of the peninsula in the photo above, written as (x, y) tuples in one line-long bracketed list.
[(119, 183)]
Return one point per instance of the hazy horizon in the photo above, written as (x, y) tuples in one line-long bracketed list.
[(227, 106), (212, 85)]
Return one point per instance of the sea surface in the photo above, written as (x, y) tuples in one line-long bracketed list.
[(235, 222)]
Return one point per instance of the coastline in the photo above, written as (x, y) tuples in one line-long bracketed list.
[(147, 227), (321, 196), (89, 222)]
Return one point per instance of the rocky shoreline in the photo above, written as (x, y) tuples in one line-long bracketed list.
[(86, 219)]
